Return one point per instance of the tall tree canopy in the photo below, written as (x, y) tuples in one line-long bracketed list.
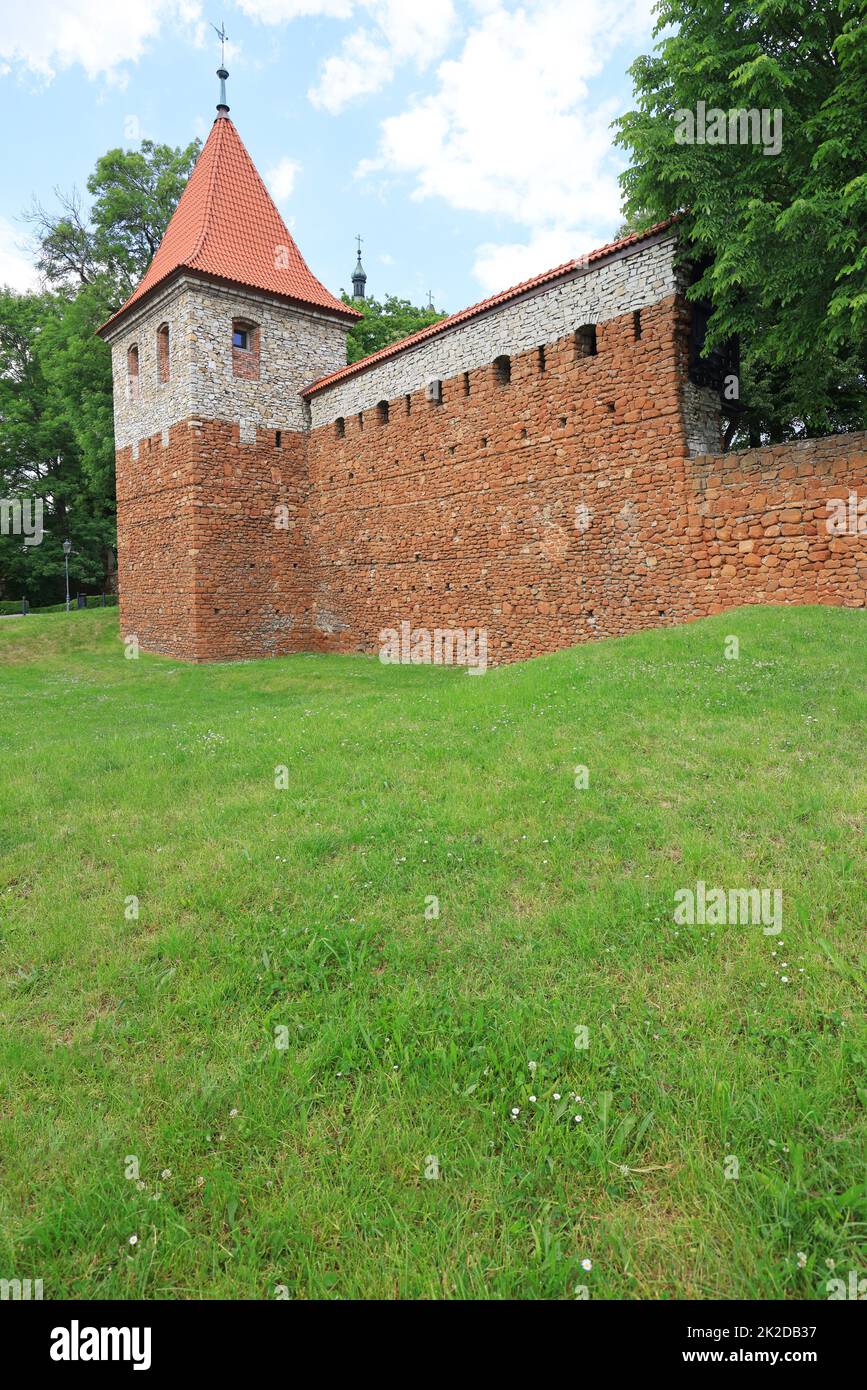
[(40, 458), (56, 422), (133, 195), (784, 235)]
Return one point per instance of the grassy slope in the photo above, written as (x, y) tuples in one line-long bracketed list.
[(304, 909)]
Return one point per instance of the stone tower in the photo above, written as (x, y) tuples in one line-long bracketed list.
[(210, 355)]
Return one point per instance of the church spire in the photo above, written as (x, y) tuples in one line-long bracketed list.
[(222, 107), (359, 278)]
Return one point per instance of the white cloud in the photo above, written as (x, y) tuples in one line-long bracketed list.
[(389, 34), (403, 32), (46, 36), (513, 130), (283, 11), (17, 270), (280, 178), (499, 264)]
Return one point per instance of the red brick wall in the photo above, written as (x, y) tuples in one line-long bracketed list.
[(155, 561), (205, 570), (759, 521), (463, 515)]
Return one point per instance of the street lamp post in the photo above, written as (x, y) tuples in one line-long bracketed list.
[(67, 547)]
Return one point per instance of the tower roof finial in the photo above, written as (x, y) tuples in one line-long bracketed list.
[(222, 107), (359, 279)]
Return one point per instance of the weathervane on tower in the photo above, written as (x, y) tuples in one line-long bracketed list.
[(222, 108)]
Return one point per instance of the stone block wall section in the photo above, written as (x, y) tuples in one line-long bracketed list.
[(155, 542), (212, 545), (293, 347), (632, 280), (547, 511), (760, 524)]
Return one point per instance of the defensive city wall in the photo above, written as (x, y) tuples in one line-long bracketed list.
[(546, 466)]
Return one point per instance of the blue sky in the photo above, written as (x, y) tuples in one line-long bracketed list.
[(467, 140)]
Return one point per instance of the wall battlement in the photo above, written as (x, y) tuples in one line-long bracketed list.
[(564, 482)]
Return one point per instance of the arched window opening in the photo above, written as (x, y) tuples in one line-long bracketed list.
[(585, 340), (132, 371), (163, 369), (245, 349), (503, 370)]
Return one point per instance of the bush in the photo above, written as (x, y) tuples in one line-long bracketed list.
[(93, 601)]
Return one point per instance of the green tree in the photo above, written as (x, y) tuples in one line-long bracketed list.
[(384, 323), (56, 417), (783, 236), (133, 193), (40, 460)]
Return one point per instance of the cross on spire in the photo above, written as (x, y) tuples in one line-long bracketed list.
[(359, 279)]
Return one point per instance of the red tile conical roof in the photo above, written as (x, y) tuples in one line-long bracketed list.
[(227, 226)]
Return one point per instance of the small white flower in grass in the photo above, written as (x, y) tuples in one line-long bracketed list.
[(578, 1119), (166, 1173), (802, 1259), (140, 1185), (556, 1095), (200, 1181), (133, 1240), (587, 1264), (516, 1109), (784, 979), (532, 1066), (532, 1100), (233, 1114)]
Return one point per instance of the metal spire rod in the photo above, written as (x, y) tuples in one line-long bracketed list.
[(223, 106), (222, 36)]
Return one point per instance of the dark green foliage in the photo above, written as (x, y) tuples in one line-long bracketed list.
[(56, 426), (384, 323), (786, 234)]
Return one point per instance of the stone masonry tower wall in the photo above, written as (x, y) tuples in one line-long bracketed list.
[(211, 470), (210, 355)]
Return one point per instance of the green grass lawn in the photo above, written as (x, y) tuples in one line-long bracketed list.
[(317, 1079)]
